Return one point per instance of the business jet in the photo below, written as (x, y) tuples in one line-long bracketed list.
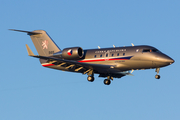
[(109, 63)]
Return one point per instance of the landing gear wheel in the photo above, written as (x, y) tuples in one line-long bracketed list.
[(90, 78), (107, 82), (157, 76)]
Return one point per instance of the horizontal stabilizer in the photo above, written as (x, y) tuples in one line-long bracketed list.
[(28, 32), (30, 53)]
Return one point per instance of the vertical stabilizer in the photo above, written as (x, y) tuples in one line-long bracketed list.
[(44, 45)]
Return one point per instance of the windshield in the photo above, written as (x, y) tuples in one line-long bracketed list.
[(151, 50)]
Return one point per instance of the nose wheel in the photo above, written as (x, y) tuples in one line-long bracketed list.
[(157, 76)]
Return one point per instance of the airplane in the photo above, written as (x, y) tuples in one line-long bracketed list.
[(109, 63)]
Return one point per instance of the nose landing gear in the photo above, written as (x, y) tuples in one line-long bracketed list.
[(157, 76)]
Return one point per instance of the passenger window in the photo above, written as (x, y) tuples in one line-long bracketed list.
[(123, 54), (106, 55), (100, 55), (118, 54), (112, 54), (95, 56)]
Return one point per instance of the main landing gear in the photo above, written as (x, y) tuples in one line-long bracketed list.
[(157, 76), (108, 80), (90, 78)]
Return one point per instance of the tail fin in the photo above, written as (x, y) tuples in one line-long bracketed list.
[(44, 45)]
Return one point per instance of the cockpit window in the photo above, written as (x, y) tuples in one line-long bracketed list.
[(150, 50), (147, 50), (155, 50)]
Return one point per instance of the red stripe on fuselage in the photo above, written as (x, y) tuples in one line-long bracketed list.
[(45, 65), (97, 60)]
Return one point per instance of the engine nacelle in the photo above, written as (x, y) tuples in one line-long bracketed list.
[(73, 53)]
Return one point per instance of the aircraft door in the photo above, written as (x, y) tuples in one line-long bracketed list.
[(106, 56)]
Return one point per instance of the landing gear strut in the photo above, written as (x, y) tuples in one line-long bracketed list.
[(108, 80), (157, 76), (90, 77)]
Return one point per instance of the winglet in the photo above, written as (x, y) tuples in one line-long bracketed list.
[(30, 53)]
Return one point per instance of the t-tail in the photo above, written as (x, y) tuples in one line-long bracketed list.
[(43, 43)]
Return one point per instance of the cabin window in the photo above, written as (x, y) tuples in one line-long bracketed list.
[(118, 54), (123, 54), (112, 54), (100, 55), (106, 55), (95, 56)]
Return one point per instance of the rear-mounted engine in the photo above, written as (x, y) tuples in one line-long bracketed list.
[(73, 53)]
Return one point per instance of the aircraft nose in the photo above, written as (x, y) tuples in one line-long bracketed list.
[(166, 59), (169, 60)]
